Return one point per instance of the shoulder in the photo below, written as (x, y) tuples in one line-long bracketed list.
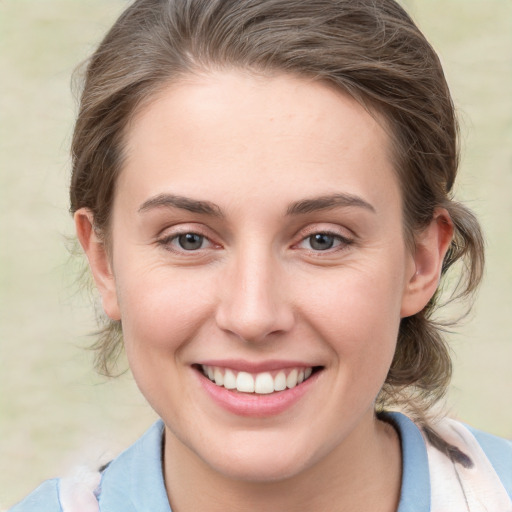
[(45, 497), (77, 493), (499, 453), (132, 482), (432, 481), (486, 475)]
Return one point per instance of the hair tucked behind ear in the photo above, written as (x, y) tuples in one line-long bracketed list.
[(370, 49), (422, 366)]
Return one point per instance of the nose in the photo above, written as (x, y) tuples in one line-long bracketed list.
[(253, 304)]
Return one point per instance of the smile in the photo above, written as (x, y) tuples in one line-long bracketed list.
[(257, 390), (263, 383)]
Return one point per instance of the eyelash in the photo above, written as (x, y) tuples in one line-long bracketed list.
[(167, 242), (341, 242)]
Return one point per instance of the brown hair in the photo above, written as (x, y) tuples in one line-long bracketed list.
[(370, 49)]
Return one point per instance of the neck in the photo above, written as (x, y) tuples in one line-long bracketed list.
[(363, 473)]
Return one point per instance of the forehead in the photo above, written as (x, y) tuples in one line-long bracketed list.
[(244, 130)]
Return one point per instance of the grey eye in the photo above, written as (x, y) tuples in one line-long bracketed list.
[(190, 241), (321, 241)]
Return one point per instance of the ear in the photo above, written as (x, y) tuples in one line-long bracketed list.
[(429, 252), (99, 261)]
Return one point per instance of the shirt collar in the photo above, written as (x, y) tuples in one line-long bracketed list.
[(415, 490), (134, 482)]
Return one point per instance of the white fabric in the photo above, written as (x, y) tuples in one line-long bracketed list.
[(455, 488), (78, 492)]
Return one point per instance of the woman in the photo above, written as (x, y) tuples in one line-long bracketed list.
[(263, 192)]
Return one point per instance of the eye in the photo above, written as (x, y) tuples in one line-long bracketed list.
[(190, 241), (185, 242), (323, 241)]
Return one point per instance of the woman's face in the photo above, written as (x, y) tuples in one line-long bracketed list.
[(257, 236)]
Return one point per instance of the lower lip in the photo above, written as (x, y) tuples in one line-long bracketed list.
[(255, 405)]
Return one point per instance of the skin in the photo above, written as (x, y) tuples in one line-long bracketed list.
[(257, 290)]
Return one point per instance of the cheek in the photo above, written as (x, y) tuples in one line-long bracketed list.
[(161, 310), (358, 312)]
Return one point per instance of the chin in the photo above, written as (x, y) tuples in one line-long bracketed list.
[(261, 461), (259, 470)]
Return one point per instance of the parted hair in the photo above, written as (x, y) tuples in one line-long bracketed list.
[(370, 49)]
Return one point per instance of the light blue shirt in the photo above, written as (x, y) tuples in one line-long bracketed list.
[(133, 482)]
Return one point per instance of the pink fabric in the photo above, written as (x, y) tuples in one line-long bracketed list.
[(78, 493), (458, 489)]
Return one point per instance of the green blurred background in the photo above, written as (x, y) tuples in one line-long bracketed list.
[(54, 411)]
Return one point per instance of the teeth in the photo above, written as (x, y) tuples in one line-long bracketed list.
[(291, 380), (229, 380), (261, 383), (218, 376), (280, 382), (264, 384), (245, 382)]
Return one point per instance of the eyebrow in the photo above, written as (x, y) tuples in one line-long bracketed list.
[(298, 208), (328, 202), (181, 202)]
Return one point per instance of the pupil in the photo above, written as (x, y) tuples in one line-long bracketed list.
[(321, 241), (190, 241)]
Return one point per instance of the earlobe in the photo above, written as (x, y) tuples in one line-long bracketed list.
[(99, 262), (431, 246)]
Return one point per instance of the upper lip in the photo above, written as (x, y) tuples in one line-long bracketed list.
[(256, 367)]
